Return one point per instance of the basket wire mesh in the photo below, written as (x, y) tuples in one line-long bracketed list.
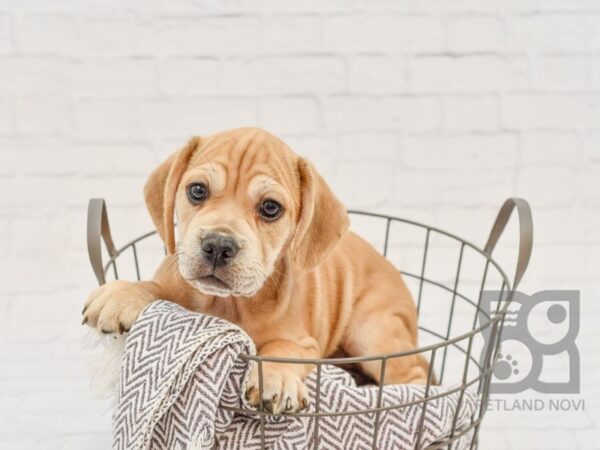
[(485, 326)]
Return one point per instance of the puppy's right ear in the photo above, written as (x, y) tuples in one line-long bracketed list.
[(160, 191)]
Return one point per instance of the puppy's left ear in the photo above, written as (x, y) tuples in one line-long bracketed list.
[(322, 222), (160, 191)]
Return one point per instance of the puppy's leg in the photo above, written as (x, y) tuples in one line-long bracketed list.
[(379, 326), (113, 307), (283, 384)]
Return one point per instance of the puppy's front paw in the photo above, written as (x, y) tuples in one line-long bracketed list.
[(283, 389), (114, 307)]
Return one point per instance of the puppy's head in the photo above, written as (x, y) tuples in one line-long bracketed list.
[(243, 200)]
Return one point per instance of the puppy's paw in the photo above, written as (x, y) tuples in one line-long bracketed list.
[(114, 307), (283, 389)]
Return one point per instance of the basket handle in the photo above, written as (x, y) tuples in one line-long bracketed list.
[(97, 229), (525, 234)]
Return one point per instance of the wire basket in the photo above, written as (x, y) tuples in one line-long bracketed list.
[(460, 336)]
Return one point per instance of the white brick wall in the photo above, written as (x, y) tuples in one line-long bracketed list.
[(435, 110)]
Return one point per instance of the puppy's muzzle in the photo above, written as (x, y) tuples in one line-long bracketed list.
[(218, 249)]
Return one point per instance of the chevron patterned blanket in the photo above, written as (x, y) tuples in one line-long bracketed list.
[(180, 368)]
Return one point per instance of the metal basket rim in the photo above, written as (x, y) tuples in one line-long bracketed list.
[(382, 356)]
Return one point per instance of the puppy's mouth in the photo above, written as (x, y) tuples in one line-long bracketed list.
[(219, 281), (214, 282)]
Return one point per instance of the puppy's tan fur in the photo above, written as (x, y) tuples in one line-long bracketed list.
[(301, 286)]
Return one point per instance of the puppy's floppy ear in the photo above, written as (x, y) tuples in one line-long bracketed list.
[(160, 191), (322, 222)]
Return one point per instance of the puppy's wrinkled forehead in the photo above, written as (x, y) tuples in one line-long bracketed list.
[(246, 161)]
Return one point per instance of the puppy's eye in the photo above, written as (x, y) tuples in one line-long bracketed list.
[(197, 192), (270, 209)]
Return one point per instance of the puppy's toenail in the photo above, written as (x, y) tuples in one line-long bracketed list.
[(105, 331), (84, 310), (288, 404), (268, 406), (84, 321)]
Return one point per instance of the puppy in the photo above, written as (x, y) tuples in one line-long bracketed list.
[(263, 242)]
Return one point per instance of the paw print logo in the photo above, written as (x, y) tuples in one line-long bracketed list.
[(536, 328), (506, 367)]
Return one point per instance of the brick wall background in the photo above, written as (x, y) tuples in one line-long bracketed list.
[(435, 110)]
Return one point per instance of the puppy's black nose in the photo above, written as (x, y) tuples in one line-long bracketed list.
[(217, 249)]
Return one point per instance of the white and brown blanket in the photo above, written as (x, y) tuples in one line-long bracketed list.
[(180, 368)]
